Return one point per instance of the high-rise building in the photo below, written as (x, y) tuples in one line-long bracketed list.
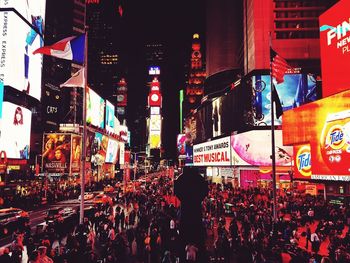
[(294, 32), (103, 21)]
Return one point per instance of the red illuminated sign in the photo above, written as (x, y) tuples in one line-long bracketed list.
[(155, 99), (335, 48)]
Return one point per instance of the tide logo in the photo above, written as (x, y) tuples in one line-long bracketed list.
[(335, 138), (303, 160)]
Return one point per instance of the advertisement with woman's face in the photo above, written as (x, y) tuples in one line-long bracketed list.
[(15, 131), (56, 152), (75, 154), (20, 68)]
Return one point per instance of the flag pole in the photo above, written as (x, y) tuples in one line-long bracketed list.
[(273, 154), (83, 166)]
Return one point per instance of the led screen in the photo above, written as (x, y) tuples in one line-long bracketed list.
[(153, 71), (181, 145), (335, 48), (297, 89), (155, 110), (15, 131), (109, 116), (19, 68), (189, 155), (95, 109), (302, 161), (155, 122), (56, 152), (325, 124), (75, 154), (112, 151), (90, 136), (254, 148), (99, 149), (154, 139)]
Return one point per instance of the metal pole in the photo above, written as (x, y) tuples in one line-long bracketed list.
[(273, 154), (82, 188)]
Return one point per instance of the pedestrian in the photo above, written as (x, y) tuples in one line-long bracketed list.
[(308, 236), (315, 243)]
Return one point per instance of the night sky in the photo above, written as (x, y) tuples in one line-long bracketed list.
[(171, 23)]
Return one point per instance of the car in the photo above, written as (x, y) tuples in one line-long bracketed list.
[(108, 189), (87, 196), (102, 199), (54, 214), (10, 218)]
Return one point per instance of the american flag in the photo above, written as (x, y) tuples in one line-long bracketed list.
[(279, 66)]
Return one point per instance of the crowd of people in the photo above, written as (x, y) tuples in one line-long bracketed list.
[(252, 235), (144, 226)]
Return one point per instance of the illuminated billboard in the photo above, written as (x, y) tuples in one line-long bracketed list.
[(181, 145), (56, 152), (216, 116), (19, 68), (109, 116), (155, 110), (99, 149), (95, 108), (75, 154), (296, 90), (155, 123), (154, 71), (213, 153), (15, 126), (154, 139), (335, 48), (254, 148), (302, 161), (325, 124), (112, 151), (121, 153)]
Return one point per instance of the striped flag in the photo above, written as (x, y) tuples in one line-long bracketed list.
[(279, 66), (70, 48)]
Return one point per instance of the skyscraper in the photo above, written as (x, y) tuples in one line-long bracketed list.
[(103, 22)]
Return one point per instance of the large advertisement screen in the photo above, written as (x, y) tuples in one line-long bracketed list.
[(325, 124), (213, 153), (254, 148), (15, 126), (296, 90), (110, 116), (112, 151), (335, 48), (75, 154), (95, 109), (19, 68), (56, 152)]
